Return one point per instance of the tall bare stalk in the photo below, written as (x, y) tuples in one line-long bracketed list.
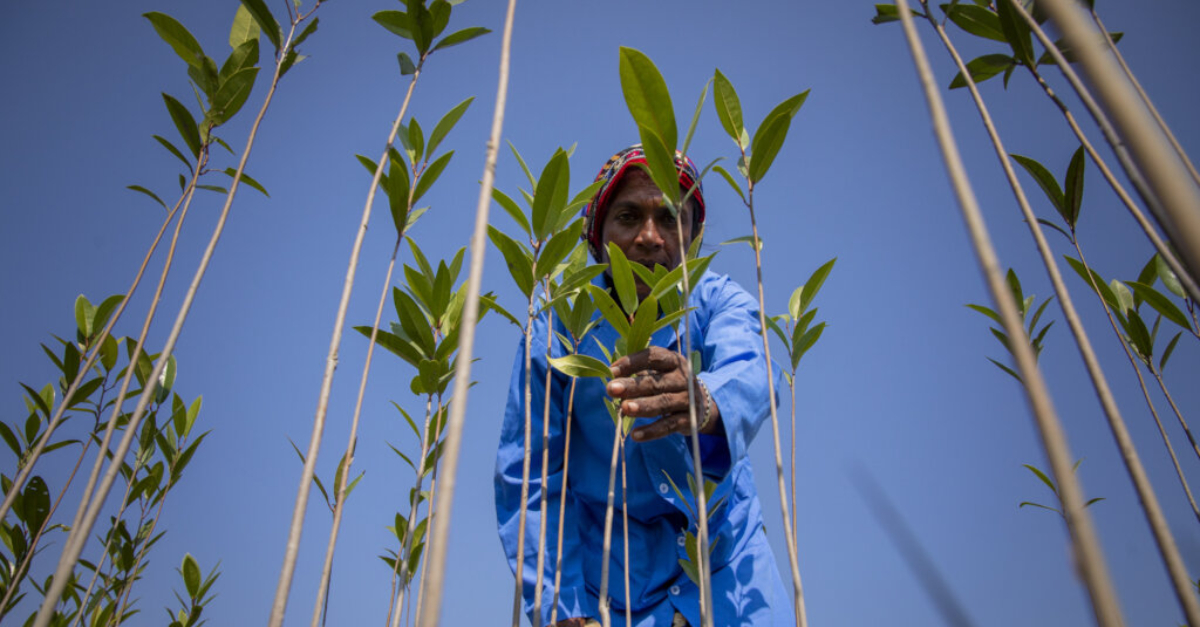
[(522, 516), (436, 560), (348, 458), (625, 526), (541, 549), (405, 551), (1135, 176), (310, 460), (1169, 181), (1087, 551), (1171, 401), (605, 610), (74, 544), (1133, 465), (562, 505)]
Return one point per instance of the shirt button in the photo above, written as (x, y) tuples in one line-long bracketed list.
[(675, 590), (662, 488), (681, 541)]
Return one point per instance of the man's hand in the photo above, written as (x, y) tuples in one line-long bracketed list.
[(654, 382), (578, 621)]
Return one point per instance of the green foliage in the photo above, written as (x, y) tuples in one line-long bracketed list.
[(1048, 482), (422, 25), (1035, 335), (196, 588)]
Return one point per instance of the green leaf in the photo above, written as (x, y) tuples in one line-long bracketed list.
[(397, 22), (233, 94), (1160, 304), (801, 343), (1010, 371), (647, 96), (661, 165), (1089, 276), (1124, 296), (184, 123), (745, 239), (398, 191), (814, 283), (191, 575), (1047, 182), (446, 123), (1041, 475), (581, 366), (1054, 226), (609, 309), (175, 151), (729, 107), (769, 137), (461, 36), (248, 180), (266, 22), (243, 57), (178, 37), (556, 249), (416, 141), (983, 68), (1162, 363), (687, 139), (1073, 195), (512, 209), (244, 29), (732, 182), (1139, 335), (622, 277), (35, 502), (885, 13), (84, 311), (977, 20), (524, 166), (638, 338), (520, 264), (1016, 32), (1170, 281), (413, 322), (430, 175), (550, 194)]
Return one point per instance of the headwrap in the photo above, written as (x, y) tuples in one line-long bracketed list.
[(593, 213)]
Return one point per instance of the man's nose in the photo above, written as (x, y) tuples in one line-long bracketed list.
[(649, 234)]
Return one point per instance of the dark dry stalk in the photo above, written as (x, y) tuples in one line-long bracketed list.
[(1141, 381), (310, 460), (789, 532), (541, 556), (1169, 182), (327, 569), (1086, 547), (519, 588), (1133, 465), (625, 522), (562, 505), (441, 529), (72, 549), (1162, 124), (605, 614), (1135, 177), (413, 503), (35, 454)]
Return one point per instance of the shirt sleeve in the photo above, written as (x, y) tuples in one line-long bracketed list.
[(573, 598), (735, 367)]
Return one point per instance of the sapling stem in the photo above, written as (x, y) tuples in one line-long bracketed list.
[(73, 548), (310, 460), (1162, 124), (1133, 465), (795, 521), (432, 494), (605, 610), (625, 524), (1135, 177), (1141, 381), (348, 459), (35, 454), (541, 555), (1086, 547), (562, 505), (1163, 386), (414, 502), (1168, 181), (789, 532), (436, 560), (519, 588)]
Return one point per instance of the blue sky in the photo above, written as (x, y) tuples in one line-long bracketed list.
[(899, 385)]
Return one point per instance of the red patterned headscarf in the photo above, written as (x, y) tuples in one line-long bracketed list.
[(612, 172)]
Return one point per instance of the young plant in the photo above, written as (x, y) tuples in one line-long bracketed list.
[(197, 586), (691, 542), (1037, 472), (1025, 305), (755, 159)]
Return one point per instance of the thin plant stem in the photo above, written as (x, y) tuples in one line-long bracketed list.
[(402, 554), (348, 459), (523, 515), (795, 521), (1169, 182), (1163, 386), (1135, 177), (444, 506), (541, 548), (35, 454), (140, 556), (605, 610), (789, 533), (279, 605), (625, 524), (562, 505), (1162, 124), (74, 545), (1087, 551), (1142, 382), (1167, 548), (432, 495)]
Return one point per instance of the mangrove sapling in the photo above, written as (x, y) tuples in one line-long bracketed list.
[(404, 186), (1068, 204), (691, 542), (1019, 40), (1162, 124), (1035, 335), (197, 586), (445, 504), (420, 25), (1089, 557), (1037, 472), (798, 335), (768, 139)]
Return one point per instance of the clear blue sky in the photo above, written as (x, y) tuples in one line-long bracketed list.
[(899, 385)]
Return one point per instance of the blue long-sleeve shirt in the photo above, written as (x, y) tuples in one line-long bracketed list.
[(746, 584)]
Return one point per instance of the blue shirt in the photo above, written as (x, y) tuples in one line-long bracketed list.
[(746, 584)]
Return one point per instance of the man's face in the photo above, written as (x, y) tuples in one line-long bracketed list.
[(642, 226)]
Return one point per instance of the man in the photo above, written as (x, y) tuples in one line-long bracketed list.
[(730, 403)]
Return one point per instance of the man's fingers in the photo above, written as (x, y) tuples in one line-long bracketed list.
[(647, 384), (653, 358), (656, 405), (675, 423)]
